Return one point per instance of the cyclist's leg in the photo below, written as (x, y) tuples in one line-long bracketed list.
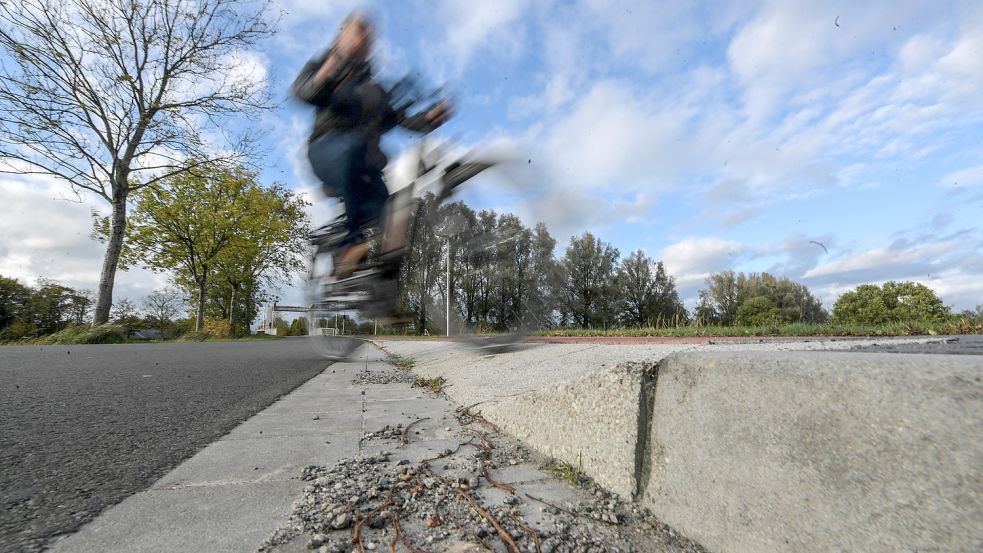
[(338, 160)]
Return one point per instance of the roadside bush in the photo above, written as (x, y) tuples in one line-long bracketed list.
[(219, 328), (758, 311), (891, 303)]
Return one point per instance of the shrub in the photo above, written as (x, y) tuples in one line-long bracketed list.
[(758, 311), (219, 328), (890, 303)]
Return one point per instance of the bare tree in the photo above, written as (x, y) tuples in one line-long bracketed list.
[(125, 311), (114, 95), (162, 305)]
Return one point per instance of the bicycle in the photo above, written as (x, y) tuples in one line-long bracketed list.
[(373, 288)]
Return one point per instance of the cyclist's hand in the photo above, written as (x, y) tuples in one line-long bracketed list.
[(440, 114)]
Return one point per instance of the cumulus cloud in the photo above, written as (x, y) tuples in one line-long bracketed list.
[(46, 236), (870, 264), (473, 26), (693, 259), (612, 138)]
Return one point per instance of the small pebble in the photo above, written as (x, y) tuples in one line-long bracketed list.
[(341, 521)]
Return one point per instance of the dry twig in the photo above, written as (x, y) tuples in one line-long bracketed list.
[(402, 539), (484, 440), (483, 421), (451, 452), (524, 526), (498, 485), (402, 436), (474, 504), (494, 522), (359, 521), (547, 503), (357, 534)]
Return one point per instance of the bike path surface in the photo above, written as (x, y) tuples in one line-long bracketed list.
[(83, 427)]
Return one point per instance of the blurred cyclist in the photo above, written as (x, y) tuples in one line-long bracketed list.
[(352, 112)]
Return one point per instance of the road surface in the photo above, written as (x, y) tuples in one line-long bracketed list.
[(83, 427)]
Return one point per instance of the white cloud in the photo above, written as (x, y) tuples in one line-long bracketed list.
[(967, 177), (958, 288), (46, 236), (472, 26), (692, 259), (798, 44), (613, 138), (883, 261)]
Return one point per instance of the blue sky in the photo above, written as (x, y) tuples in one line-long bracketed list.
[(712, 136)]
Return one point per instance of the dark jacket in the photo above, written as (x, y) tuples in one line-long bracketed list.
[(352, 101)]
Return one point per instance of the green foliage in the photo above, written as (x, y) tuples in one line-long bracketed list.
[(502, 273), (648, 296), (125, 314), (726, 291), (892, 302), (758, 311), (281, 326), (298, 327), (589, 293), (216, 328), (218, 226), (14, 298), (973, 315), (79, 110), (719, 301), (28, 312)]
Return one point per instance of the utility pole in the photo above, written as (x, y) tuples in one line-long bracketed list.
[(447, 259), (447, 287)]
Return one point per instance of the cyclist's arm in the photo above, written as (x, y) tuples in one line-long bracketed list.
[(427, 121), (320, 81)]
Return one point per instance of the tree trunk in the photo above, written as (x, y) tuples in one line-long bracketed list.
[(111, 260), (232, 312), (200, 319)]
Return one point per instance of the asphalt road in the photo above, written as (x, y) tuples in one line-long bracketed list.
[(83, 427)]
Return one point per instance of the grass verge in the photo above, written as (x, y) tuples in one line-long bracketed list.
[(83, 334), (795, 329)]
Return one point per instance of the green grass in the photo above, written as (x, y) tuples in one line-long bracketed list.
[(83, 334), (401, 362), (794, 329), (435, 385), (565, 471)]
